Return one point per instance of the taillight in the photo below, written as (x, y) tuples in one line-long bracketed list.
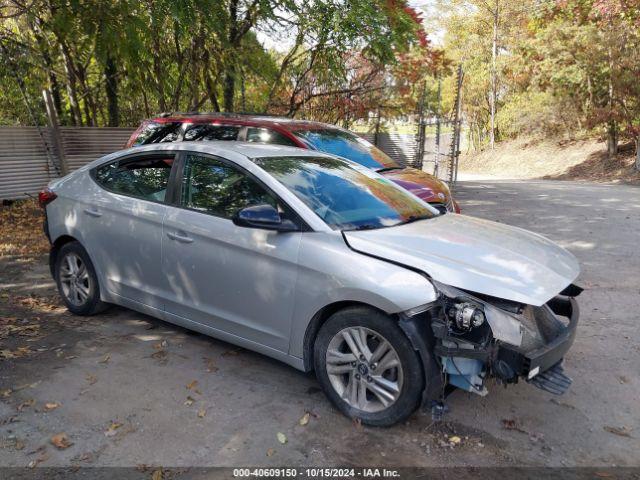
[(46, 196)]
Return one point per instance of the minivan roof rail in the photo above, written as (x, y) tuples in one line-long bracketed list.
[(223, 114)]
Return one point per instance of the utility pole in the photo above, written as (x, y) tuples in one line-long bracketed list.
[(419, 159), (436, 163), (454, 152)]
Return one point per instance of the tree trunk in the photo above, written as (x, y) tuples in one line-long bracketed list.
[(72, 87), (111, 89), (208, 81), (612, 130), (230, 74), (638, 153), (612, 139), (494, 74), (157, 70)]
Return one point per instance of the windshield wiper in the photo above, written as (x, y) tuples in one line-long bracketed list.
[(388, 169), (414, 218), (366, 226)]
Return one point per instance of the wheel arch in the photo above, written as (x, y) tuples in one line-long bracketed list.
[(55, 248), (320, 318)]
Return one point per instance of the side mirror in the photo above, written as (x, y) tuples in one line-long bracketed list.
[(263, 216)]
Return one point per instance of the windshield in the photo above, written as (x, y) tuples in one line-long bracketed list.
[(345, 195), (348, 145)]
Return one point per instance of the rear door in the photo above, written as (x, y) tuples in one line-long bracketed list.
[(122, 225), (234, 280)]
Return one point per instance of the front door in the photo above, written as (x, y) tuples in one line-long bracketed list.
[(236, 280)]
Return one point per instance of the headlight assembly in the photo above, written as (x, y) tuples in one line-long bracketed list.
[(466, 315), (468, 312)]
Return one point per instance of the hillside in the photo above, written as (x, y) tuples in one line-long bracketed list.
[(575, 160)]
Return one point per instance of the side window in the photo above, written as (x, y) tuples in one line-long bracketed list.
[(211, 132), (266, 135), (145, 178), (214, 187), (155, 132)]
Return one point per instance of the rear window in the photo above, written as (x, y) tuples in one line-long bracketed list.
[(145, 178)]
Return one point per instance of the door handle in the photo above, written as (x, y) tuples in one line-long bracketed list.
[(93, 212), (180, 237)]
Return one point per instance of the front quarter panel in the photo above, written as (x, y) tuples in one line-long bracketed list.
[(330, 272)]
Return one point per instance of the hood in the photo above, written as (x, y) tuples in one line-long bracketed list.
[(421, 184), (477, 255)]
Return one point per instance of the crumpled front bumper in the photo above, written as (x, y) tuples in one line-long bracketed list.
[(529, 363), (537, 360)]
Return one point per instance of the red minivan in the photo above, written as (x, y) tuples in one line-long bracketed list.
[(297, 133)]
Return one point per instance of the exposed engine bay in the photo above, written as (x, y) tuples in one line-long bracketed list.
[(473, 338)]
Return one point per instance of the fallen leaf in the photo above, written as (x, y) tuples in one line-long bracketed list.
[(620, 431), (19, 444), (455, 440), (159, 355), (92, 379), (211, 368), (270, 452), (106, 358), (189, 401), (202, 412), (111, 431), (5, 393), (61, 441), (511, 424), (157, 474), (192, 385), (50, 406), (282, 438), (357, 423), (26, 404), (230, 353), (305, 419), (44, 456)]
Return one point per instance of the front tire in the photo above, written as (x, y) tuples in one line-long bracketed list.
[(77, 281), (367, 367)]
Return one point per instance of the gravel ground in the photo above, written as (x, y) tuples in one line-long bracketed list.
[(129, 390)]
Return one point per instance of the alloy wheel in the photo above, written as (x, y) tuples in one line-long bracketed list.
[(364, 369), (74, 279)]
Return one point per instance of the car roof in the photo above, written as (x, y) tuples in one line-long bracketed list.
[(242, 119), (222, 148)]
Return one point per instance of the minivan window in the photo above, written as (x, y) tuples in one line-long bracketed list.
[(154, 132), (348, 145), (214, 187), (267, 135), (208, 132), (145, 178), (344, 194)]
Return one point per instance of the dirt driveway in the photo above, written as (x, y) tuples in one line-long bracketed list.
[(126, 389)]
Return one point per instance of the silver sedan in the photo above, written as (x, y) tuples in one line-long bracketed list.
[(317, 262)]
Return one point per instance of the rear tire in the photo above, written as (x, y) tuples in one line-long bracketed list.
[(77, 280), (367, 367)]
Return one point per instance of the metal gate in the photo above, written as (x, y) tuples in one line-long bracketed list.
[(28, 160)]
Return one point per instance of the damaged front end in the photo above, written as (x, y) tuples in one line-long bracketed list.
[(466, 338)]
